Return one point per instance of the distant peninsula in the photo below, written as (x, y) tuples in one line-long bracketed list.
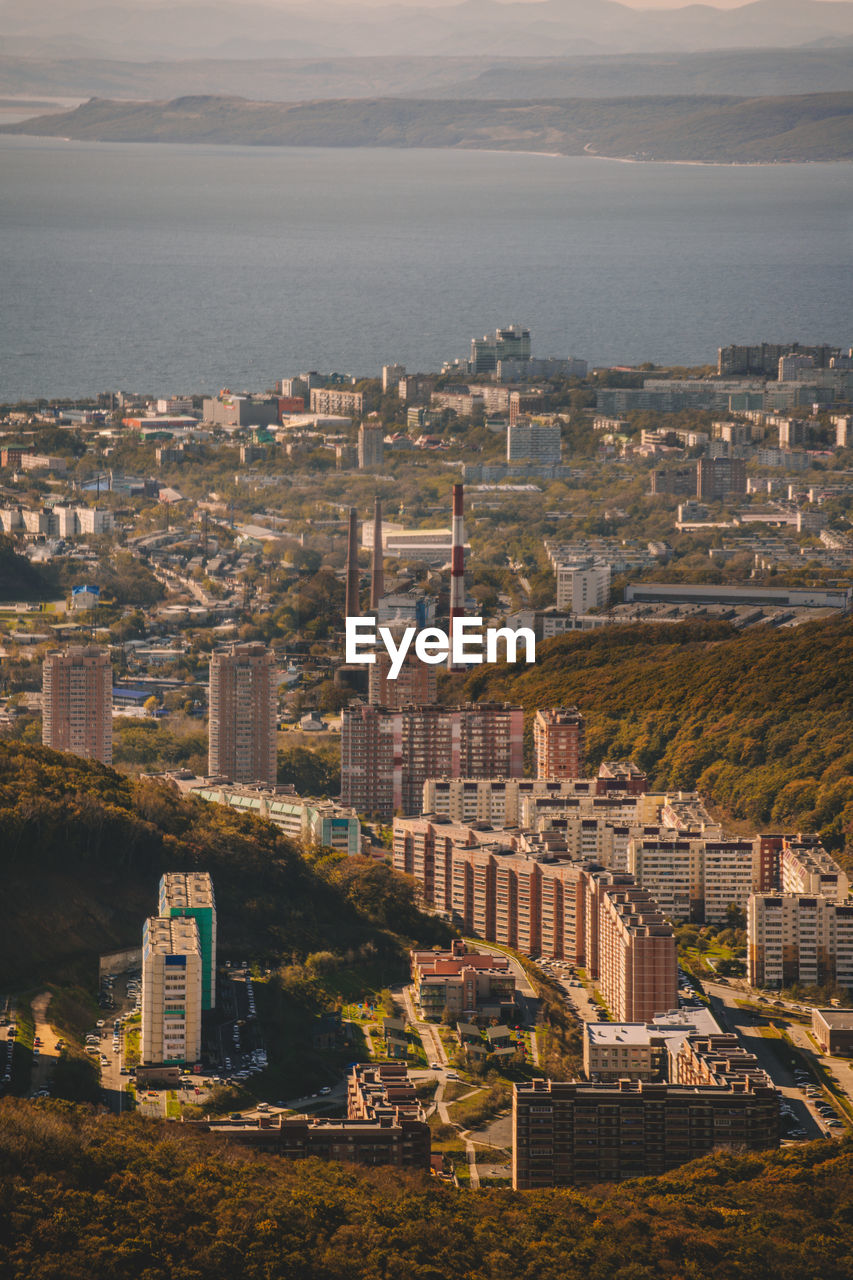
[(709, 130)]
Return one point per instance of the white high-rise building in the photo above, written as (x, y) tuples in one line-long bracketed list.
[(799, 938), (171, 990), (583, 585)]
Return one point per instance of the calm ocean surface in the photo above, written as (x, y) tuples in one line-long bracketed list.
[(178, 268)]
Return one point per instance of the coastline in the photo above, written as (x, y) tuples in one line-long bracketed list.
[(519, 151)]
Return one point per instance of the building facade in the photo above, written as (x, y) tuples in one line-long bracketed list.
[(574, 1133), (371, 445), (799, 938), (77, 702), (387, 755), (558, 743), (171, 991), (189, 894), (243, 703)]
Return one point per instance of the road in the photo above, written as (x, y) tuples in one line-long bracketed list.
[(429, 1037), (44, 1064), (747, 1025)]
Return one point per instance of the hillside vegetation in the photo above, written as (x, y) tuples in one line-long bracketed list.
[(82, 849), (713, 129), (84, 1195), (761, 722)]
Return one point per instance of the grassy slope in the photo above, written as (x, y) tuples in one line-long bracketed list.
[(805, 127), (762, 722)]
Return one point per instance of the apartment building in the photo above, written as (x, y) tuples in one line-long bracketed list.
[(387, 755), (307, 821), (371, 445), (171, 990), (799, 938), (516, 801), (529, 440), (243, 703), (385, 1125), (720, 478), (558, 743), (806, 867), (468, 984), (189, 894), (77, 702), (615, 1051), (416, 683), (332, 401), (583, 585), (566, 1134), (628, 946), (693, 877)]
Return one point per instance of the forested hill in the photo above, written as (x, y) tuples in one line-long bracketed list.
[(760, 721), (84, 1196), (82, 850), (711, 129)]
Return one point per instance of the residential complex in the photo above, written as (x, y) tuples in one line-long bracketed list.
[(387, 755), (716, 1098), (190, 894), (77, 702), (558, 743), (628, 946), (171, 990), (243, 704), (308, 821), (462, 984), (799, 938), (385, 1125), (516, 801)]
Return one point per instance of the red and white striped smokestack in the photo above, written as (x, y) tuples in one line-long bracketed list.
[(351, 609), (457, 566), (377, 577)]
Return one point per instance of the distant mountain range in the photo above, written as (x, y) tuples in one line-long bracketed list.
[(719, 129), (753, 73), (139, 30)]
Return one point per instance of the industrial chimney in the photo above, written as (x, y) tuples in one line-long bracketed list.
[(351, 609), (457, 567), (377, 577)]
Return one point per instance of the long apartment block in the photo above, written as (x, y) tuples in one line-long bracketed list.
[(565, 1134), (799, 938), (517, 801), (503, 889)]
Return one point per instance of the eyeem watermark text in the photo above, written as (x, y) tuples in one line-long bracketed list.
[(470, 643)]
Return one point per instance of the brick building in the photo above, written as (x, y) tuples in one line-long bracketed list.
[(387, 755)]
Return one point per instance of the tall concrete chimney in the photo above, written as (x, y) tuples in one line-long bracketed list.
[(377, 577), (457, 567), (351, 608)]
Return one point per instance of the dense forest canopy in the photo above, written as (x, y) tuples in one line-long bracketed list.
[(85, 1196), (760, 721), (83, 848)]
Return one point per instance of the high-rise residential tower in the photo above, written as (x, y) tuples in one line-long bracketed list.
[(77, 702), (242, 744), (558, 740), (190, 894), (171, 991)]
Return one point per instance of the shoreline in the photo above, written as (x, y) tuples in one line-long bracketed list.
[(513, 151)]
